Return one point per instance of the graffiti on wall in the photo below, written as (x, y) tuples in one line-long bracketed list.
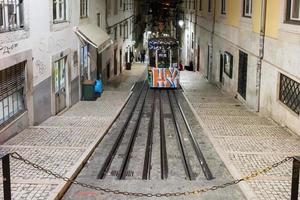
[(41, 67), (48, 45), (7, 49)]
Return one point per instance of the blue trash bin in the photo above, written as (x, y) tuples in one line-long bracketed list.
[(98, 87)]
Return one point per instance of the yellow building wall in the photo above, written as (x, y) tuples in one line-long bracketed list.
[(273, 18), (204, 8), (233, 13), (256, 15)]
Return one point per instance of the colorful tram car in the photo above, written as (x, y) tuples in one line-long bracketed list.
[(163, 69)]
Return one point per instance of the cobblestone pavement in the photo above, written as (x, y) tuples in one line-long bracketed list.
[(245, 140), (61, 143)]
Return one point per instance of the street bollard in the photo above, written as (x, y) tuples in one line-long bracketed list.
[(295, 178), (6, 175)]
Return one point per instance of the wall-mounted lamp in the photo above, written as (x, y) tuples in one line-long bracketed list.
[(181, 23)]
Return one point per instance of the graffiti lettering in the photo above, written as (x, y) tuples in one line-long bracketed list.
[(7, 49), (41, 67)]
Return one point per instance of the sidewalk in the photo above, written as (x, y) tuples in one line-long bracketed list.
[(245, 141), (62, 143)]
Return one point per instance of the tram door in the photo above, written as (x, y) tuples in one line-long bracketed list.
[(60, 84)]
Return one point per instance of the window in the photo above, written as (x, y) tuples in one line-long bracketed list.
[(83, 8), (11, 92), (99, 20), (116, 33), (126, 30), (289, 93), (209, 5), (121, 30), (121, 4), (223, 7), (228, 63), (59, 11), (247, 8), (200, 4), (192, 40), (293, 11), (11, 15)]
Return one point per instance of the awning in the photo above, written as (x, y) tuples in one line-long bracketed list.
[(95, 36)]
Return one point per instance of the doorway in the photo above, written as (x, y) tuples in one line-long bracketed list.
[(208, 61), (221, 68), (115, 62), (198, 59), (121, 68), (99, 66), (59, 71), (108, 70), (242, 79)]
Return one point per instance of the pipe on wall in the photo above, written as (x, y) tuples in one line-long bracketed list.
[(261, 50)]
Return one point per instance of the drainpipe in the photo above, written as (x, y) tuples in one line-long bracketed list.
[(211, 51), (261, 50), (195, 36), (106, 21)]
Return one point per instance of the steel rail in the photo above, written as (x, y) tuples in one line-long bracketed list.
[(163, 148), (148, 151), (116, 145), (184, 157), (195, 144), (122, 171)]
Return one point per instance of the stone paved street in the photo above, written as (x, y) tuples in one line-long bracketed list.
[(245, 141), (62, 143)]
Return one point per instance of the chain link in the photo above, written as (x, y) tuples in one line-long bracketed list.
[(252, 175)]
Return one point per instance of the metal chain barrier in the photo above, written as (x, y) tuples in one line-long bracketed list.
[(252, 175)]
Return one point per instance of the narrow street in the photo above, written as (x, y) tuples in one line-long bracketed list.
[(149, 99)]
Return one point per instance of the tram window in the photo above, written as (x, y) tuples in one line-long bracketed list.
[(163, 58), (175, 58)]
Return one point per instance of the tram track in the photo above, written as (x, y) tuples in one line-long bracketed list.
[(145, 124)]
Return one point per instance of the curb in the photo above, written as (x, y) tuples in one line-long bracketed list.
[(61, 189), (246, 189)]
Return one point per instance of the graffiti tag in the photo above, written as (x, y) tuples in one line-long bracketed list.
[(7, 49)]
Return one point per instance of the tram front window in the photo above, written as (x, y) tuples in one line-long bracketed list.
[(163, 59)]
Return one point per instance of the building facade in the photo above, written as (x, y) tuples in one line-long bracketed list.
[(48, 48), (249, 48)]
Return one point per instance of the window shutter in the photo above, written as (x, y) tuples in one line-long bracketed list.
[(11, 80)]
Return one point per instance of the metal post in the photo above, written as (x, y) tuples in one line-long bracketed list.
[(6, 177), (295, 178)]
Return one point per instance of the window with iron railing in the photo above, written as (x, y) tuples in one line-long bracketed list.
[(289, 93), (11, 15), (293, 11), (59, 11), (83, 8), (11, 92)]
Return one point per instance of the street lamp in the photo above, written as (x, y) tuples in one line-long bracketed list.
[(181, 23)]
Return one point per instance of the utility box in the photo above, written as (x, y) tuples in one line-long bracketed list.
[(88, 90), (128, 66)]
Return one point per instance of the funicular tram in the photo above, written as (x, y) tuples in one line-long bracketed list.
[(163, 69)]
